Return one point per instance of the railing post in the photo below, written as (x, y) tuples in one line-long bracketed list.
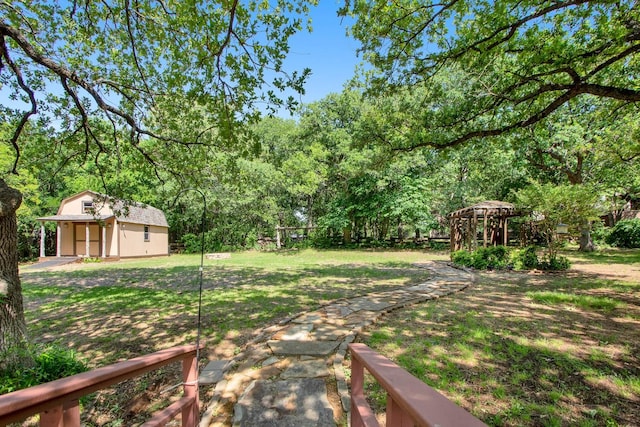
[(71, 416), (357, 390), (67, 415), (395, 415), (52, 417), (190, 379)]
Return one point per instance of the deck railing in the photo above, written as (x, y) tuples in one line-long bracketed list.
[(57, 401), (410, 402)]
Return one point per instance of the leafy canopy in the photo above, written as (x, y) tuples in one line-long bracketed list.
[(513, 62), (140, 65)]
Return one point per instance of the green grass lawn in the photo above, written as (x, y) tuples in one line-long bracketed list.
[(146, 305), (515, 349), (109, 312), (530, 349)]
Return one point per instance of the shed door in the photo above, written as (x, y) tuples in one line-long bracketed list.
[(94, 240)]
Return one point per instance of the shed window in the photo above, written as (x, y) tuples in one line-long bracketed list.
[(87, 206), (146, 233)]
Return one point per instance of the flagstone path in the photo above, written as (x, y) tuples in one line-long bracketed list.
[(282, 377)]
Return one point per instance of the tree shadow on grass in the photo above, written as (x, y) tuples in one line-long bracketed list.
[(115, 314), (512, 361)]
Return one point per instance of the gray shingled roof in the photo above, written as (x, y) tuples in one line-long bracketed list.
[(131, 212), (139, 214)]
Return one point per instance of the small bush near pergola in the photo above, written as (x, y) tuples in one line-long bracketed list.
[(501, 258)]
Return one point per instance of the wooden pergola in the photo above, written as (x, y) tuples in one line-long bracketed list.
[(493, 214)]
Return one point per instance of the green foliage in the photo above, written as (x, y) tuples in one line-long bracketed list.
[(600, 233), (489, 258), (192, 243), (50, 363), (555, 263), (524, 259), (501, 257), (553, 204), (463, 258), (625, 234), (497, 51)]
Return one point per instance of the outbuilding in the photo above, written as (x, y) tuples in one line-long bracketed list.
[(92, 225), (492, 213)]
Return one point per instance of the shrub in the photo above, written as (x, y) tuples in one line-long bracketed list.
[(556, 263), (496, 257), (625, 234), (463, 258), (524, 259), (600, 233), (493, 257), (192, 243), (49, 363)]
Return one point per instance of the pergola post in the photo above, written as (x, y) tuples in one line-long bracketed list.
[(484, 226), (452, 234), (42, 238), (505, 239), (474, 235)]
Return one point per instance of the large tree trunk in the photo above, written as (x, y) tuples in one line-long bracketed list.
[(13, 327), (586, 243)]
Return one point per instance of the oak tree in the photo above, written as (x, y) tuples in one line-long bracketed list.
[(151, 68), (513, 62)]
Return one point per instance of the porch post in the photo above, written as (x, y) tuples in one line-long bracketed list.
[(104, 240), (42, 237), (58, 239), (115, 246), (87, 247)]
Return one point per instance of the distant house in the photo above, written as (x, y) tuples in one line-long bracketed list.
[(91, 225)]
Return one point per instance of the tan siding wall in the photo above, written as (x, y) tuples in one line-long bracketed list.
[(67, 241), (132, 243), (74, 206), (112, 242)]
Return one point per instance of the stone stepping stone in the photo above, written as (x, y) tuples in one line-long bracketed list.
[(328, 333), (338, 311), (299, 348), (369, 304), (306, 369), (213, 372), (297, 332), (286, 403), (308, 318)]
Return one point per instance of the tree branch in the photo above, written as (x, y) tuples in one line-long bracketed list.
[(62, 71), (4, 53)]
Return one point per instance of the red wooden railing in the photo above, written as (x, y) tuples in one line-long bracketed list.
[(57, 401), (410, 402)]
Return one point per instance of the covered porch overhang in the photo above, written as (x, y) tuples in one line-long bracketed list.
[(75, 235)]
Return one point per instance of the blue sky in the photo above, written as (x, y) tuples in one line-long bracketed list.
[(329, 53), (327, 50)]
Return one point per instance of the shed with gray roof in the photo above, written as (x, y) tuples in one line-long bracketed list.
[(91, 224)]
